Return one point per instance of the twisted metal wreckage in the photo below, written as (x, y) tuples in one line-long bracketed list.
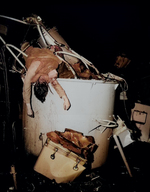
[(72, 144)]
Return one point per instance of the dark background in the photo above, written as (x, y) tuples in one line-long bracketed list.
[(98, 31)]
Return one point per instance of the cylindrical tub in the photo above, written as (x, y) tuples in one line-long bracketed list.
[(91, 101)]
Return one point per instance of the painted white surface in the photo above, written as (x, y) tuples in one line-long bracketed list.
[(91, 101)]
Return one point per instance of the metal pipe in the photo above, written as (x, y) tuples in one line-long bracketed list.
[(39, 30), (17, 20), (122, 155), (9, 45)]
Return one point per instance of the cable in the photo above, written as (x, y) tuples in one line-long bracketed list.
[(6, 85), (17, 20), (123, 90), (9, 45), (73, 55), (12, 52), (41, 35), (110, 124)]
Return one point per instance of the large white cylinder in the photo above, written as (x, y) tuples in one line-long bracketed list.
[(91, 101)]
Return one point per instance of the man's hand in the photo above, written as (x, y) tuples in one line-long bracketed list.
[(66, 102), (30, 112)]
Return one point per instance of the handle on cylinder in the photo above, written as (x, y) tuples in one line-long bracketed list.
[(52, 156), (76, 166)]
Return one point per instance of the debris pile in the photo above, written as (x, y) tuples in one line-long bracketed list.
[(73, 65), (80, 70), (74, 141), (65, 155)]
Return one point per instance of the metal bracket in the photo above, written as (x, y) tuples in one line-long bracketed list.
[(52, 156), (76, 166)]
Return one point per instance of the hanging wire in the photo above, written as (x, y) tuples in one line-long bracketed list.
[(5, 84), (125, 107), (17, 20), (12, 51), (108, 124)]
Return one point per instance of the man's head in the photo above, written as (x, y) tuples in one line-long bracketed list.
[(41, 90)]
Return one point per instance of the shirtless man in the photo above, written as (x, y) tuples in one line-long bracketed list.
[(41, 67)]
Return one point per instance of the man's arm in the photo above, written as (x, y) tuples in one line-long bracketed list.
[(27, 86), (60, 91)]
